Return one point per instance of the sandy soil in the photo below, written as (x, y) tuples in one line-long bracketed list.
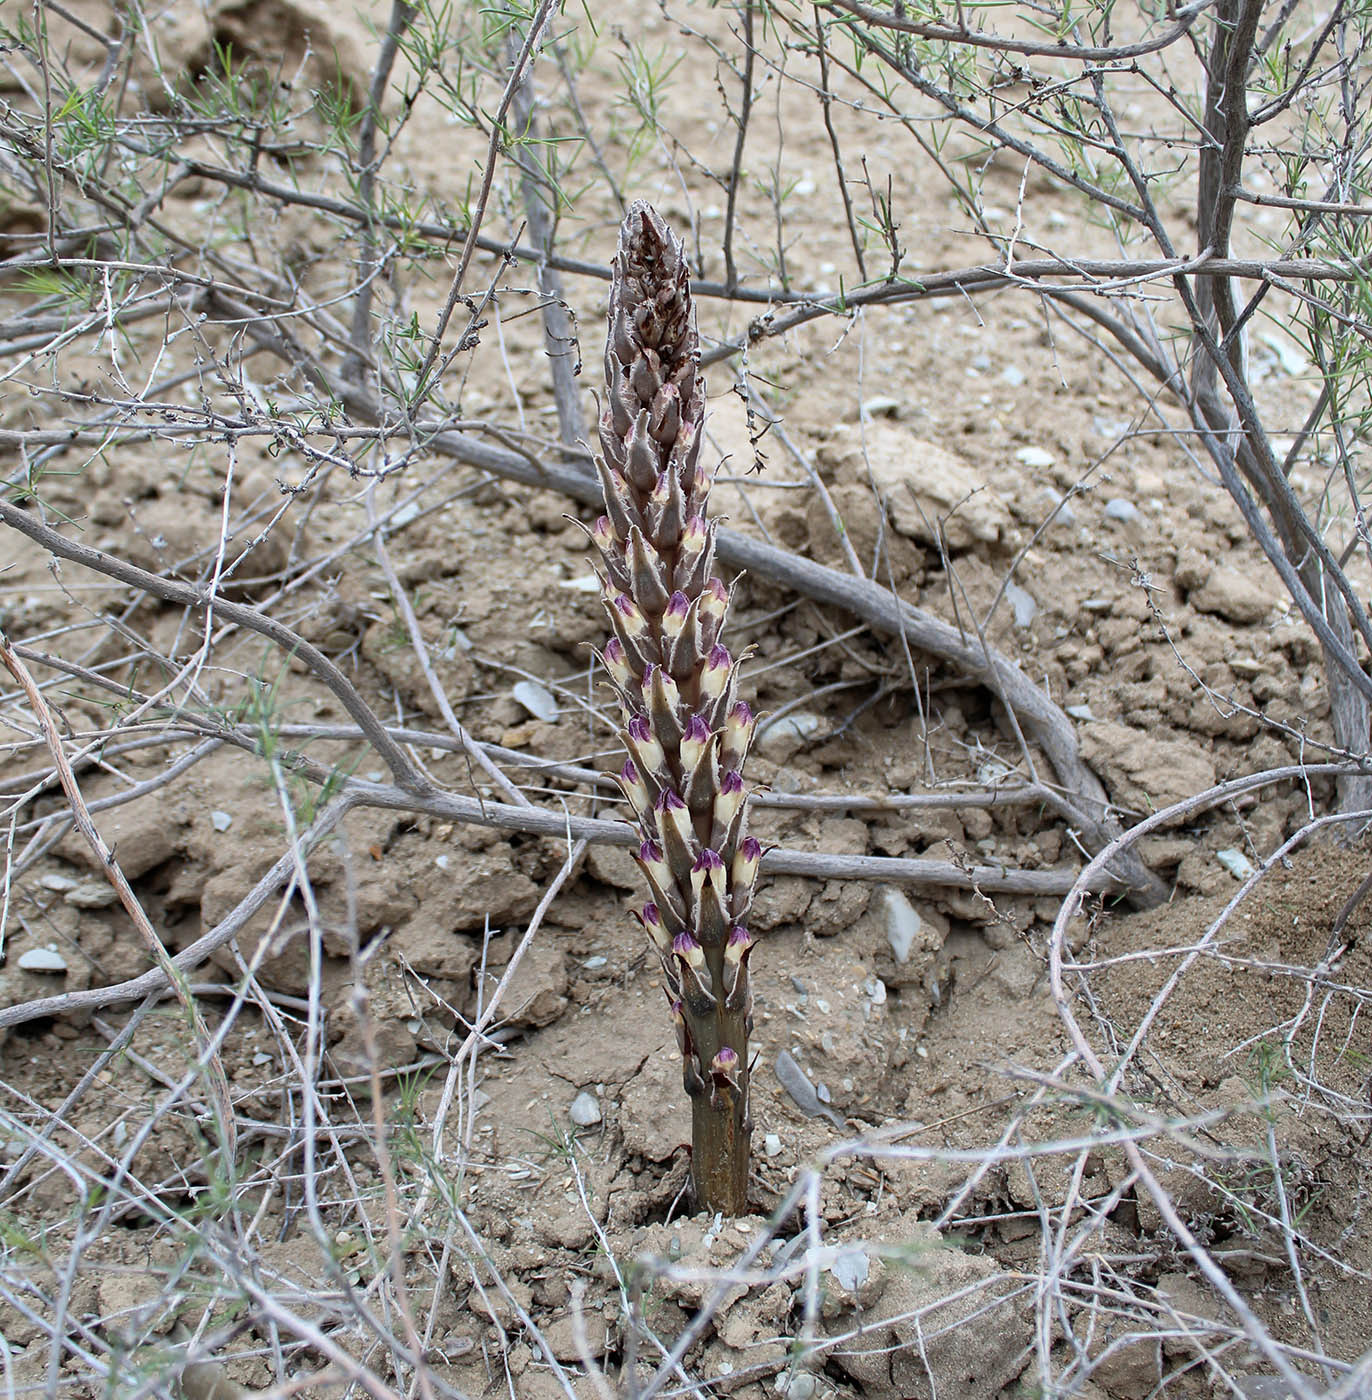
[(1144, 607)]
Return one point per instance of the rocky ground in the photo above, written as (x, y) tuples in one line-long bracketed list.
[(912, 1235)]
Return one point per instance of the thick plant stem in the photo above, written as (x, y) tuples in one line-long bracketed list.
[(686, 732)]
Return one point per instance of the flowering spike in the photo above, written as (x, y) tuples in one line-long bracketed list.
[(685, 734)]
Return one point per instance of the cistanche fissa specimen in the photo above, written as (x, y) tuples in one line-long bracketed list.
[(685, 730)]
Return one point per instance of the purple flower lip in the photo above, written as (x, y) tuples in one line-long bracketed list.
[(738, 934), (650, 853), (614, 650), (651, 915), (708, 860), (678, 605), (726, 1058), (668, 801), (731, 782), (697, 731), (741, 714), (750, 848), (686, 948), (639, 729), (719, 657)]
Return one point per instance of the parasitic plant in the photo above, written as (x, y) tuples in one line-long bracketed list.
[(685, 730)]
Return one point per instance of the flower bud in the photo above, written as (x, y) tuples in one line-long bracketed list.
[(714, 602), (688, 951), (723, 1073), (635, 789), (617, 664), (729, 800), (714, 676), (670, 808), (635, 625), (650, 856), (603, 534), (746, 861), (674, 619), (738, 735), (709, 868), (736, 949), (647, 752), (694, 741), (651, 919)]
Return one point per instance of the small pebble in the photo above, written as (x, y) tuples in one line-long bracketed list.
[(902, 924), (882, 407), (42, 960), (822, 1006), (583, 583), (1035, 457), (92, 894), (261, 1058), (851, 1268), (1120, 509), (58, 884), (800, 1386), (592, 963), (1080, 712), (1022, 603), (406, 515), (585, 1109), (1236, 863), (781, 738), (771, 1145), (876, 990), (222, 821), (1012, 375), (1063, 514), (442, 862), (537, 699)]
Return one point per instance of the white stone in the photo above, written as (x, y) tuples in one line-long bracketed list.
[(1035, 457), (43, 960), (58, 884), (1119, 509), (1022, 603), (851, 1268), (1236, 863), (585, 1109), (902, 924), (222, 820), (537, 699), (771, 1145)]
